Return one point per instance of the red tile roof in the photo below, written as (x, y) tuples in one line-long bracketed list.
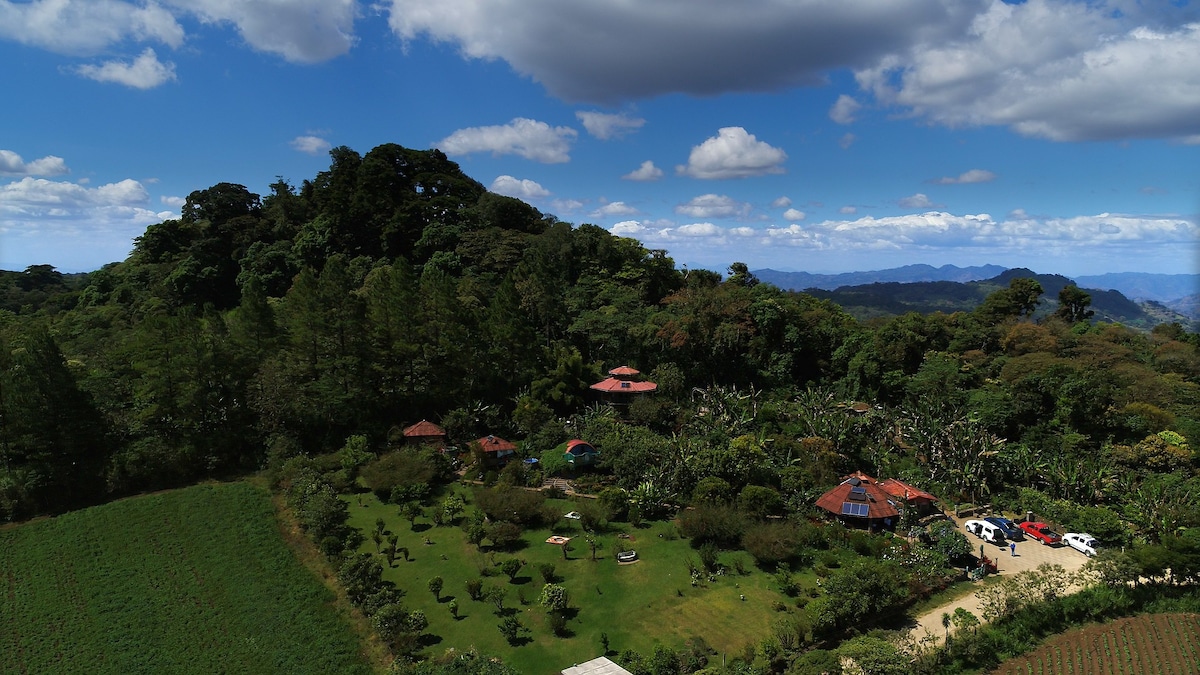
[(495, 444), (572, 444), (624, 370), (875, 499), (424, 428), (624, 386), (898, 488)]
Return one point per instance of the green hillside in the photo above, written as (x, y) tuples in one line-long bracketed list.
[(191, 581)]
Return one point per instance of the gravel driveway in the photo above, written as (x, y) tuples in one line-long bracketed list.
[(1030, 554)]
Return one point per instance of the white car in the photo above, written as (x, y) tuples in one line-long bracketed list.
[(1082, 542), (985, 531)]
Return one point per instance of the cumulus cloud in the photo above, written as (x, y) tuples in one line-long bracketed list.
[(699, 230), (713, 206), (1064, 71), (917, 201), (607, 126), (521, 189), (80, 27), (11, 164), (794, 215), (846, 141), (848, 210), (614, 209), (645, 173), (173, 202), (1018, 239), (72, 226), (781, 202), (844, 109), (310, 145), (566, 205), (972, 176), (301, 31), (733, 153), (610, 50), (937, 229), (144, 72), (527, 138)]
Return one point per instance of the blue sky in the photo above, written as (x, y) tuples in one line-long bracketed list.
[(802, 135)]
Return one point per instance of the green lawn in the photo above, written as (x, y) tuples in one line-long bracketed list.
[(638, 605), (189, 581)]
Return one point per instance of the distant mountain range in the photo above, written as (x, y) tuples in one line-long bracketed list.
[(925, 289), (799, 281)]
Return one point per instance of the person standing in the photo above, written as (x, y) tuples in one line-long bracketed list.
[(1012, 548)]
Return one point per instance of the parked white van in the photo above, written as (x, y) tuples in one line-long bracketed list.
[(985, 531)]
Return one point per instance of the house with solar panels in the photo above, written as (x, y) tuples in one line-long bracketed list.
[(859, 501)]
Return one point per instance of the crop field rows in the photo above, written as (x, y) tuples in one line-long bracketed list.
[(194, 580), (1152, 644)]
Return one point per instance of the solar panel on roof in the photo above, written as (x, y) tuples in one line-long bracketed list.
[(858, 494), (856, 510)]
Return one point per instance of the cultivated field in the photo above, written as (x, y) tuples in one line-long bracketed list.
[(190, 581), (1151, 644)]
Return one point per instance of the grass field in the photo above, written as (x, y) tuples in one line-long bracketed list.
[(637, 605), (190, 581), (1150, 644)]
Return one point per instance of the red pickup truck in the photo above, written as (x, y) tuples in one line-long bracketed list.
[(1041, 532)]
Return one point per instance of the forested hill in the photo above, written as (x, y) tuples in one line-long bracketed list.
[(896, 298), (392, 288)]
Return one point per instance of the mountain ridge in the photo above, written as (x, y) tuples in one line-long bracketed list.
[(1138, 286)]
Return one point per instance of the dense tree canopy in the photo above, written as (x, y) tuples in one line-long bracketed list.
[(392, 288)]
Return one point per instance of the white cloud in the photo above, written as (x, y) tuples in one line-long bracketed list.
[(614, 209), (699, 230), (917, 201), (173, 202), (794, 215), (144, 72), (848, 210), (614, 50), (645, 173), (627, 228), (527, 138), (713, 206), (1017, 240), (781, 202), (521, 189), (302, 31), (311, 145), (844, 109), (87, 26), (607, 126), (733, 153), (566, 205), (972, 176), (847, 140), (72, 226), (1065, 71), (11, 164)]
